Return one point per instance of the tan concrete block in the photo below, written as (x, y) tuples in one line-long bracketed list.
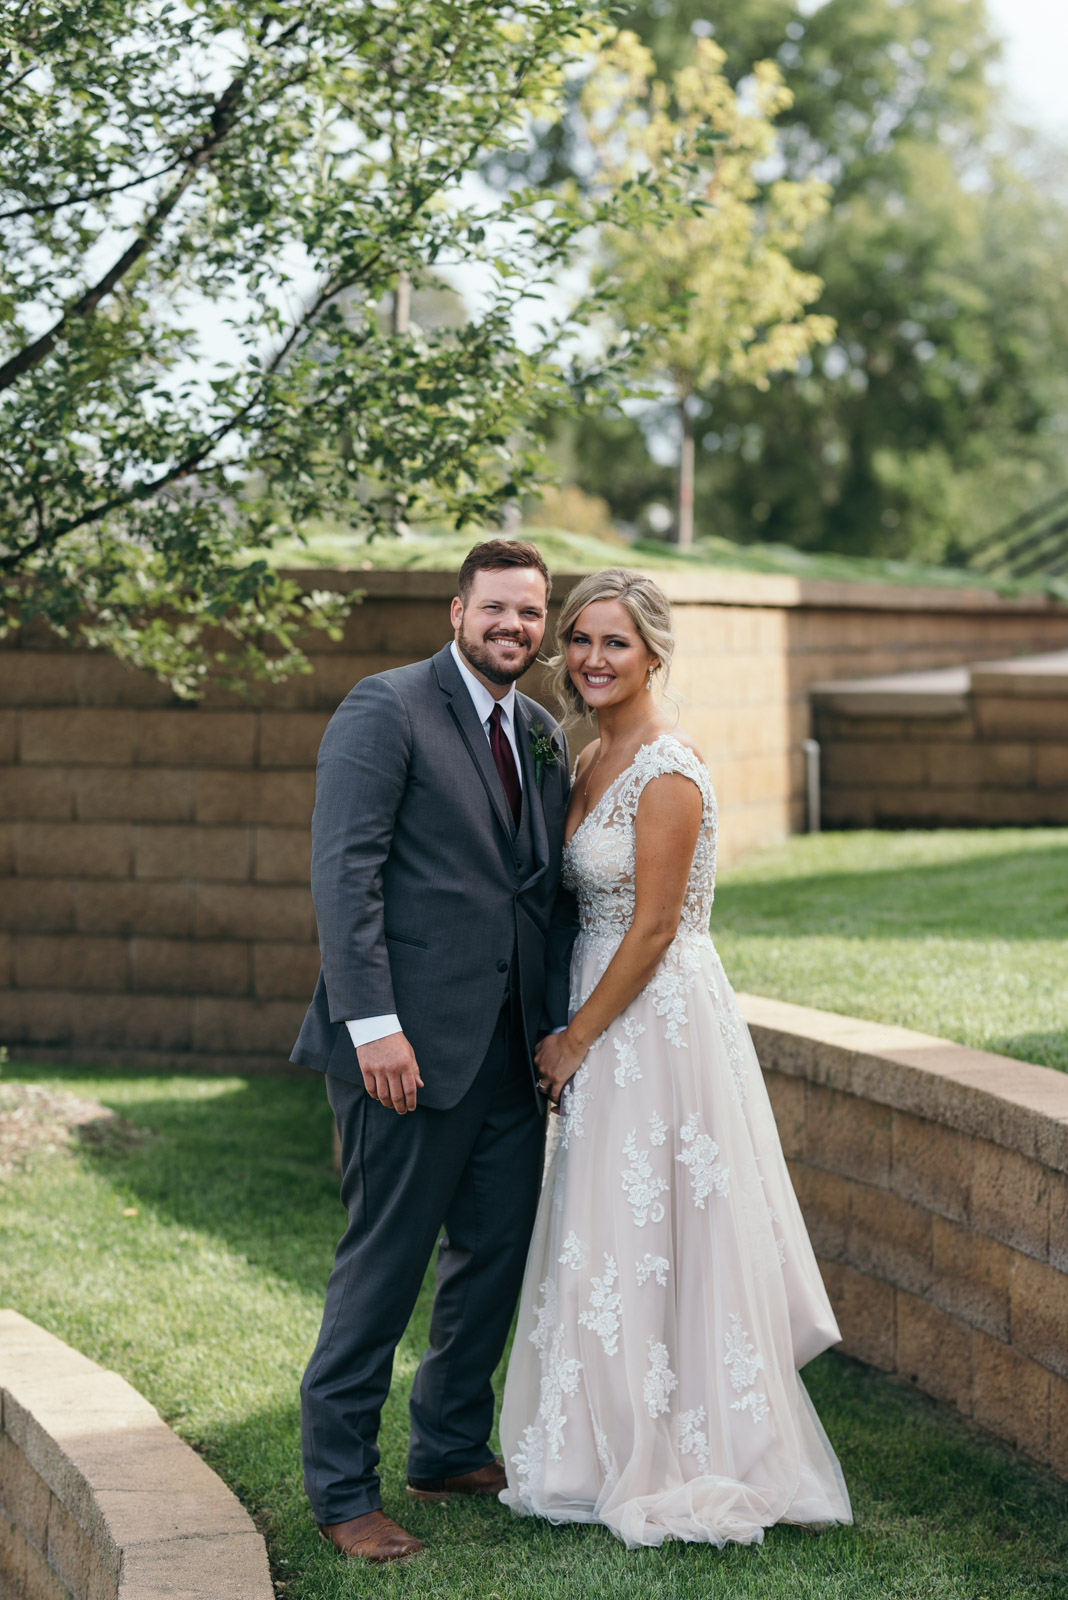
[(291, 738), (272, 797), (1051, 765), (285, 971), (1039, 1313), (934, 1351), (7, 848), (1058, 1220), (848, 1135), (24, 1496), (134, 794), (193, 850), (254, 911), (932, 1164), (195, 737), (283, 855), (88, 736), (1015, 717), (189, 966), (1010, 1198), (865, 1309), (787, 1096), (37, 905), (24, 1571), (986, 765), (825, 1200), (73, 849), (1021, 807), (134, 908), (70, 1549), (8, 735), (862, 765), (36, 794), (70, 961), (890, 1238), (36, 1017), (1058, 1426), (971, 1277), (929, 807), (7, 961), (40, 677), (247, 1026), (1011, 1396), (132, 1021)]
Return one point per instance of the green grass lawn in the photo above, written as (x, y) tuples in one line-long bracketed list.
[(208, 1297), (208, 1300), (958, 933)]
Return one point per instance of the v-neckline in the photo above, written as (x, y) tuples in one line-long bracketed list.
[(592, 812)]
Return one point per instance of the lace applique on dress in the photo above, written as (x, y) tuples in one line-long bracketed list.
[(574, 1253), (707, 1175), (628, 1070), (605, 1306), (660, 1382), (641, 1188), (743, 1362), (693, 1441), (651, 1266)]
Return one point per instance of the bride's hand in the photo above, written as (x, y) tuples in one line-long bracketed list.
[(557, 1058)]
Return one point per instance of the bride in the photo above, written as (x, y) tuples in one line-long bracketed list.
[(671, 1291)]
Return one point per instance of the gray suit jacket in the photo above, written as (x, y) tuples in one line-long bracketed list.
[(429, 901)]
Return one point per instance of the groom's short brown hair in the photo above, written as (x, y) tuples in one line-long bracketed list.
[(494, 554)]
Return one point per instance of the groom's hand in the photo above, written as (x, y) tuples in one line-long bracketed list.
[(390, 1072)]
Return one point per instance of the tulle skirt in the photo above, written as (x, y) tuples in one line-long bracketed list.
[(671, 1291)]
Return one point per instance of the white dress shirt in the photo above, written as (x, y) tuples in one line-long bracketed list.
[(367, 1029)]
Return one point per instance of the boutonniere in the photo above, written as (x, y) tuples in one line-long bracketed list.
[(542, 749)]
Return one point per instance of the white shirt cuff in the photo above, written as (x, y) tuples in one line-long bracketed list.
[(365, 1030)]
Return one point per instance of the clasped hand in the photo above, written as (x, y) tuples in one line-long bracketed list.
[(557, 1058)]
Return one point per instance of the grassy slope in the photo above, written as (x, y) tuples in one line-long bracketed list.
[(332, 546), (208, 1299), (957, 933)]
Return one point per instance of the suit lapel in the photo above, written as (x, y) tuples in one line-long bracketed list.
[(474, 736), (524, 718)]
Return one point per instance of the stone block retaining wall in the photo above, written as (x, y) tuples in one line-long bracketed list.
[(154, 907), (964, 747), (934, 1182), (99, 1500)]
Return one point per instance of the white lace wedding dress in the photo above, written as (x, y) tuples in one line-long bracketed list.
[(671, 1291)]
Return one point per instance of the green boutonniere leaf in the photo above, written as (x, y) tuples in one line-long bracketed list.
[(543, 750)]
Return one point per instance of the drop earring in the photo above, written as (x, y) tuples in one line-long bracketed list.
[(649, 679)]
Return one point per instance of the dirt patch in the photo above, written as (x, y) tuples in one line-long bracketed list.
[(34, 1117)]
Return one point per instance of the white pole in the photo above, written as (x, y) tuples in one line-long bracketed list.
[(812, 782)]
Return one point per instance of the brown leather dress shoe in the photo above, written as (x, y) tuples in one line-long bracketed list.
[(372, 1537), (488, 1480)]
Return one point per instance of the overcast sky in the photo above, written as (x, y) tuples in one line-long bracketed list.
[(1036, 58)]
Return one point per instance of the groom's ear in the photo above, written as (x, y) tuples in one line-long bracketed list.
[(456, 613)]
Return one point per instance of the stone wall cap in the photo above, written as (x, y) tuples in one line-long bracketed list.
[(162, 1521), (942, 692), (1044, 676), (1015, 1104)]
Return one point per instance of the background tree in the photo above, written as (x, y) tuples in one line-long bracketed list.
[(940, 408), (714, 293), (202, 210)]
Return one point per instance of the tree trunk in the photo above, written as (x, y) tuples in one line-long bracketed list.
[(684, 497)]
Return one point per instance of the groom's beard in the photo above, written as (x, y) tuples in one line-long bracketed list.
[(481, 656)]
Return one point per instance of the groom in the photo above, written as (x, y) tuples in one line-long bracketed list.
[(436, 844)]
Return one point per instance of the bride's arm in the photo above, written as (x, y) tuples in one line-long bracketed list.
[(666, 827)]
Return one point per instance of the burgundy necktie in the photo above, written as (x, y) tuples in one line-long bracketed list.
[(504, 761)]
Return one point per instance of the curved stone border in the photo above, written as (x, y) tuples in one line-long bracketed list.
[(99, 1500), (934, 1181)]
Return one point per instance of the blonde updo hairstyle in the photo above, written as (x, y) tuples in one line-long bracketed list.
[(648, 608)]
